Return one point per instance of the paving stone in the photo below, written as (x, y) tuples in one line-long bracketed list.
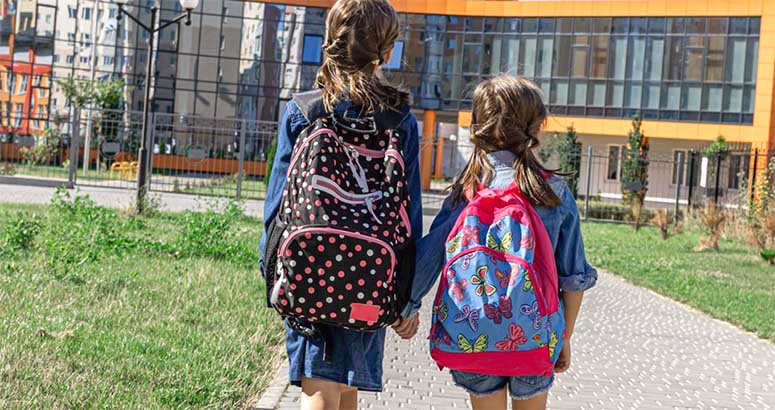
[(632, 349)]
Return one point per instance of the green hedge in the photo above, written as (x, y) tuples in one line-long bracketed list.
[(612, 211)]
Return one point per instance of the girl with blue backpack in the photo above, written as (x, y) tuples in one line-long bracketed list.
[(342, 212), (508, 245)]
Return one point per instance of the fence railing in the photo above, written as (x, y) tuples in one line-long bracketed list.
[(228, 157)]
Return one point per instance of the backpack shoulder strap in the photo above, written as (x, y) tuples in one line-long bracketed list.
[(311, 104)]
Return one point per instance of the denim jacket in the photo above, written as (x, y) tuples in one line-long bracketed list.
[(562, 223), (294, 122)]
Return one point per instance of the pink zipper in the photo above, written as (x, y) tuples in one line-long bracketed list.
[(508, 258), (327, 185), (360, 150), (361, 236)]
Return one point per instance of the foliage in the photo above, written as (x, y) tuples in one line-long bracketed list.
[(270, 161), (715, 152), (44, 150), (662, 220), (612, 211), (635, 168), (712, 218), (7, 168), (568, 149), (19, 233)]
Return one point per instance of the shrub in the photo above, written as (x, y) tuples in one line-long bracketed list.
[(270, 161), (7, 168), (19, 233), (662, 220), (210, 234), (635, 168), (612, 211), (712, 219), (568, 150)]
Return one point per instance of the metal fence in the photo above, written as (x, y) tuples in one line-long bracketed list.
[(228, 157)]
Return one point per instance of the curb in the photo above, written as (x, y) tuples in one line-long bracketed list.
[(271, 397)]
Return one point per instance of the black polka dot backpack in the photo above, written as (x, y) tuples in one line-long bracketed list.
[(341, 250)]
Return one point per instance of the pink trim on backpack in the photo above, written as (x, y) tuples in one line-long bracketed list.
[(525, 363), (406, 219)]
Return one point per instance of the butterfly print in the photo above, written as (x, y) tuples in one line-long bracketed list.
[(472, 316), (496, 313), (513, 275), (504, 245), (470, 235), (451, 274), (441, 312), (503, 278), (440, 335), (527, 241), (553, 340), (458, 289), (528, 285), (467, 261), (482, 287), (511, 343), (478, 346), (533, 313), (453, 245)]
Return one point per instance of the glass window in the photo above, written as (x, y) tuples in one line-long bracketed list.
[(559, 93), (738, 170), (695, 25), (654, 60), (693, 69), (714, 64), (671, 96), (691, 97), (583, 25), (472, 56), (562, 56), (614, 152), (397, 56), (620, 25), (580, 53), (578, 93), (638, 25), (676, 25), (733, 99), (510, 55), (716, 25), (615, 95), (602, 25), (754, 25), (633, 94), (618, 60), (636, 60), (312, 52), (751, 59), (738, 25), (491, 61), (530, 25), (546, 25), (651, 97), (600, 56), (544, 63), (597, 91), (712, 97), (528, 57), (657, 25), (749, 96), (736, 52), (513, 25), (673, 58), (565, 25)]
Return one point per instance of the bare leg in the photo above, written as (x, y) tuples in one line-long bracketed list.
[(319, 394), (533, 403), (495, 401), (349, 399)]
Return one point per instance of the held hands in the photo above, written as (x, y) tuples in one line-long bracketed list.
[(407, 328), (563, 362)]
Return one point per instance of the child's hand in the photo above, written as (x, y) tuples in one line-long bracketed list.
[(563, 362), (407, 328)]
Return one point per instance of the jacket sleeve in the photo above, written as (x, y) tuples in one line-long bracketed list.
[(431, 253), (575, 273), (292, 124)]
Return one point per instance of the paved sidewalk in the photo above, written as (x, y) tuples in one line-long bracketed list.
[(122, 198), (632, 349)]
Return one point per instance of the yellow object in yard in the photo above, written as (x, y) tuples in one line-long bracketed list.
[(123, 168)]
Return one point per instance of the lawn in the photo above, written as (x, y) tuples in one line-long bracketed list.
[(733, 284), (102, 310)]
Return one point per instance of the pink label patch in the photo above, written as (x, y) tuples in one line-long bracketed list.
[(364, 312)]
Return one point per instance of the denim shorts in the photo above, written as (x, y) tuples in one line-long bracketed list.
[(520, 387)]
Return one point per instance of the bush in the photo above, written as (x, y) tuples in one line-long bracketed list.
[(635, 171), (270, 161), (612, 211), (210, 234), (712, 219), (19, 233)]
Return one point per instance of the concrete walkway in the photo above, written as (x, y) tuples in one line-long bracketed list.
[(633, 349)]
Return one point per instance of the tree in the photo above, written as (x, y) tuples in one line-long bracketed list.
[(635, 168), (568, 150)]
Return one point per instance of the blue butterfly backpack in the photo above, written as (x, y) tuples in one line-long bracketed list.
[(497, 309)]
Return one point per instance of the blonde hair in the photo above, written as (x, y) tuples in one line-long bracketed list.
[(508, 114), (359, 36)]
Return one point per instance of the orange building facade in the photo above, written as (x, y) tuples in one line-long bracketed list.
[(716, 64)]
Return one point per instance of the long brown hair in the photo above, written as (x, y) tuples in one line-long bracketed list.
[(508, 114), (359, 35)]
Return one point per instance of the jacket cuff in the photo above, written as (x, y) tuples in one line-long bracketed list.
[(579, 282), (411, 309)]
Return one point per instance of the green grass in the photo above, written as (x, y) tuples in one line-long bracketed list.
[(733, 284), (103, 310)]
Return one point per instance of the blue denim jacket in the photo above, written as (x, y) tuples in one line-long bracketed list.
[(294, 122), (562, 223)]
